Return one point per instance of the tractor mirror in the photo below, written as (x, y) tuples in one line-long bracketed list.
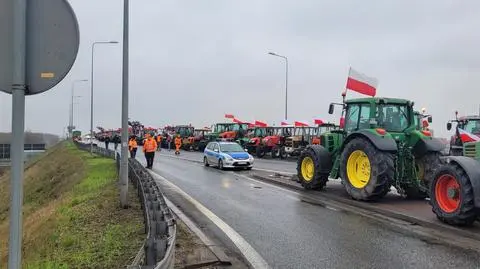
[(429, 119), (331, 109), (449, 126)]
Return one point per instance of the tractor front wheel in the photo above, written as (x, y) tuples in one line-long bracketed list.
[(452, 197), (308, 170), (275, 152), (366, 172), (260, 152)]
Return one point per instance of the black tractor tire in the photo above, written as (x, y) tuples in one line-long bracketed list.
[(260, 152), (382, 170), (319, 179), (205, 162), (429, 163), (275, 152), (466, 213), (283, 153)]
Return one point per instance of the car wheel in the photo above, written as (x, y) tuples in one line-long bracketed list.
[(220, 164), (205, 161)]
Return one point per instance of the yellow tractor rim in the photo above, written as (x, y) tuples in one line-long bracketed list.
[(358, 169), (308, 169), (420, 170)]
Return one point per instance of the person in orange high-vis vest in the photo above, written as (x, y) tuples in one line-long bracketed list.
[(149, 148), (159, 142), (178, 144), (132, 146)]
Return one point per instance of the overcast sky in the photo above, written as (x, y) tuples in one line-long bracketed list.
[(192, 61)]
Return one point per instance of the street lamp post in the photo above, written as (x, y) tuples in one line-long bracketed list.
[(91, 90), (70, 126), (286, 79)]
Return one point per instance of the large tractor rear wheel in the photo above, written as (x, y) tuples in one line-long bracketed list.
[(309, 170), (452, 197), (260, 151), (366, 172)]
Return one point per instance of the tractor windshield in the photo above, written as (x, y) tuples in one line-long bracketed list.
[(471, 126), (260, 132), (393, 117), (223, 128)]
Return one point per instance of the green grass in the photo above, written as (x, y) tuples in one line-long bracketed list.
[(82, 226)]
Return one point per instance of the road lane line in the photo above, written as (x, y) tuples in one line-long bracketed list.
[(250, 254)]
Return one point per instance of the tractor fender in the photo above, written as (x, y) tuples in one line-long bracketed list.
[(383, 143), (324, 156), (428, 145), (471, 167)]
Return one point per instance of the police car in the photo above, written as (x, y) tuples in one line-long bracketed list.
[(227, 155)]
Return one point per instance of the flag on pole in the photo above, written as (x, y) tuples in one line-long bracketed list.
[(300, 124), (284, 123), (229, 116), (318, 121), (467, 137), (260, 123), (235, 120), (361, 83)]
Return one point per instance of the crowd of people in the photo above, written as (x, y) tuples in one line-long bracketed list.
[(151, 144)]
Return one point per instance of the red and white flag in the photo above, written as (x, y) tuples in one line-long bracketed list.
[(260, 123), (467, 137), (318, 121), (284, 123), (229, 116), (361, 83), (300, 124), (235, 120)]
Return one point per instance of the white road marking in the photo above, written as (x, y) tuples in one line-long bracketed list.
[(250, 254)]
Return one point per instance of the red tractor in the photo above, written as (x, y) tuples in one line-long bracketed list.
[(261, 141)]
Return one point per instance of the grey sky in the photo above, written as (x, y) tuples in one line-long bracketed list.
[(193, 61)]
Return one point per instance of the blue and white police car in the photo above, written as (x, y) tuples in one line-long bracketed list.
[(227, 155)]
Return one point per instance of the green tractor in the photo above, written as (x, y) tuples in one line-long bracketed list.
[(378, 145)]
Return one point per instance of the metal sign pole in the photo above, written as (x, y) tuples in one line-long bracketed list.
[(124, 149), (18, 128)]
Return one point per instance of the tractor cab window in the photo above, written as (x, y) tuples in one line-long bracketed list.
[(471, 126), (287, 132), (351, 119), (259, 132), (393, 118)]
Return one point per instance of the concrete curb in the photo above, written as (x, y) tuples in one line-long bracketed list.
[(388, 213)]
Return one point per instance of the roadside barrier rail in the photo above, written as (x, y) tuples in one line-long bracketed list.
[(158, 250)]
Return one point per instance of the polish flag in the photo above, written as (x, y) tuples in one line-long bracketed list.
[(235, 120), (260, 123), (467, 137), (300, 124), (229, 116), (251, 125), (284, 123), (361, 83), (318, 121)]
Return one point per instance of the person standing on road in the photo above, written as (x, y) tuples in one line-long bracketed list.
[(159, 142), (116, 138), (132, 146), (149, 148), (107, 141), (169, 142), (178, 144)]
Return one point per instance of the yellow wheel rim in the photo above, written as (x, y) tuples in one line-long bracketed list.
[(420, 170), (358, 169), (308, 169)]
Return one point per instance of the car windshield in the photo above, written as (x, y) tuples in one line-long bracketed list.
[(471, 126), (231, 148), (393, 118)]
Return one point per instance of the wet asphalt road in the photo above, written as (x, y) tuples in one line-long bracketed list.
[(289, 233), (266, 163)]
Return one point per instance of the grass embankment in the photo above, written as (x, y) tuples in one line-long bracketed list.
[(72, 217)]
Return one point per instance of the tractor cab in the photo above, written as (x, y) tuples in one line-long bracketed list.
[(378, 146), (231, 132), (199, 139), (300, 137), (262, 140), (323, 128), (467, 131), (184, 131)]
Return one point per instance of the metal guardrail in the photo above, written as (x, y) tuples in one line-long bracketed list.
[(158, 250)]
